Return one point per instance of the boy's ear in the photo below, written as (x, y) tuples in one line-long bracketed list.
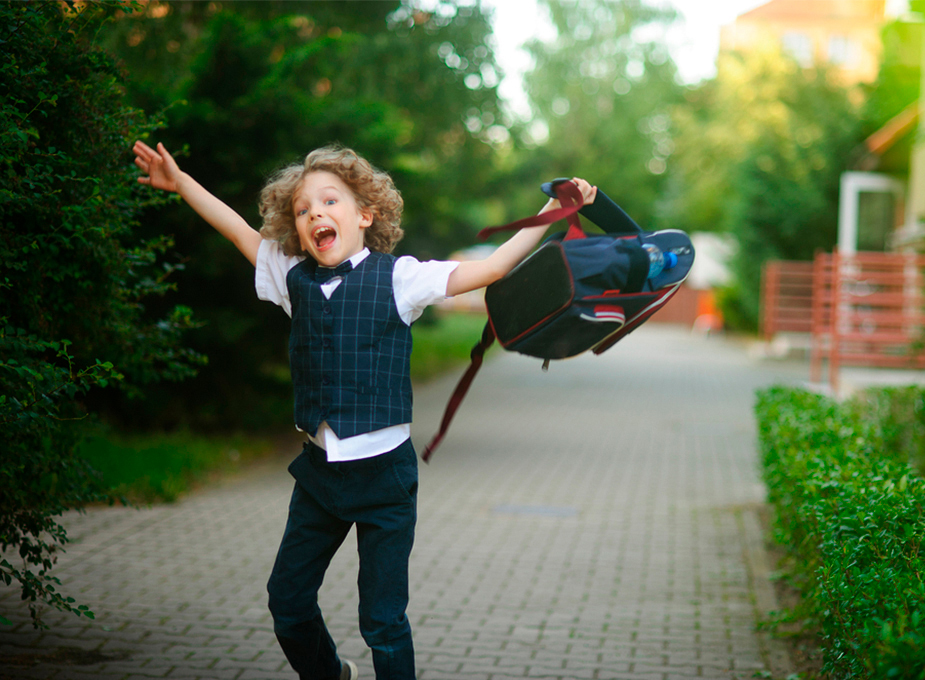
[(366, 218)]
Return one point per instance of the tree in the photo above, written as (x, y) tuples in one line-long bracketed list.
[(249, 86), (896, 89), (759, 153), (75, 278), (605, 91)]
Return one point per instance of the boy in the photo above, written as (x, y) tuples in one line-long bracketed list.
[(323, 254)]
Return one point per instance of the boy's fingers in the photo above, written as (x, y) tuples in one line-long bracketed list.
[(164, 152), (143, 149)]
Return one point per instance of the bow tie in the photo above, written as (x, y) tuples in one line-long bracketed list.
[(323, 274)]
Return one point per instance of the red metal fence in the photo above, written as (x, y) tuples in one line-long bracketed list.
[(866, 309), (787, 297)]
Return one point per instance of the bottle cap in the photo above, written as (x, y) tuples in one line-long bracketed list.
[(670, 260)]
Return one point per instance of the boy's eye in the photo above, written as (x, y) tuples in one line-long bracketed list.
[(302, 211), (330, 201)]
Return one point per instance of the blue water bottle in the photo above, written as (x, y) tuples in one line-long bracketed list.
[(658, 261)]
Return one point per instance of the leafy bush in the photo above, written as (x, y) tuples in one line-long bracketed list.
[(899, 415), (73, 276), (849, 509)]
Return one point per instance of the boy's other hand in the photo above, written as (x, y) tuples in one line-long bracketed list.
[(161, 169), (588, 192)]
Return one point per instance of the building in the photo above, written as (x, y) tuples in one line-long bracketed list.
[(842, 33), (882, 198)]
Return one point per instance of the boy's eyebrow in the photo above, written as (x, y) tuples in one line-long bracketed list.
[(300, 196)]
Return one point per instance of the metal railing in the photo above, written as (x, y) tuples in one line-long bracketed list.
[(867, 310), (787, 297)]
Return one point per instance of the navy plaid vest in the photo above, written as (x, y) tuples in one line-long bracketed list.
[(350, 356)]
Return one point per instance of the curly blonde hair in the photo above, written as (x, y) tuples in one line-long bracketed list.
[(373, 190)]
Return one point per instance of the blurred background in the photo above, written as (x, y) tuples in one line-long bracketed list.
[(735, 122), (746, 142)]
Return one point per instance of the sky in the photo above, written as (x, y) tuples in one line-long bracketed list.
[(693, 40)]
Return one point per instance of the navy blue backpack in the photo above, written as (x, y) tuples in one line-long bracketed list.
[(577, 291)]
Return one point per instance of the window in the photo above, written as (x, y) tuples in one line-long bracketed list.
[(841, 50), (800, 47)]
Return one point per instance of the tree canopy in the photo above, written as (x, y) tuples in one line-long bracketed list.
[(605, 91), (759, 153)]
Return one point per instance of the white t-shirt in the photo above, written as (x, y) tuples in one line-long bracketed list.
[(415, 285)]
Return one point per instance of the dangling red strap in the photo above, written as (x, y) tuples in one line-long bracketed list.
[(477, 355), (571, 199)]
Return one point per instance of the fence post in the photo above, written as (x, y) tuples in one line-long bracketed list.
[(770, 276), (817, 337), (835, 333)]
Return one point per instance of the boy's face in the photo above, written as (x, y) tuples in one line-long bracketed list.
[(328, 220)]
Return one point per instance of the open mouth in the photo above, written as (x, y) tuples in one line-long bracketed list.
[(323, 237)]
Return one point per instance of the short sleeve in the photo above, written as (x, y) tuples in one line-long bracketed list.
[(270, 276), (417, 285)]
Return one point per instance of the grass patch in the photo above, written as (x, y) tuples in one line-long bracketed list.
[(161, 467), (443, 343)]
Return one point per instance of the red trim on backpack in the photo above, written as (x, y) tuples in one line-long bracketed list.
[(612, 339), (609, 311), (574, 232), (607, 294)]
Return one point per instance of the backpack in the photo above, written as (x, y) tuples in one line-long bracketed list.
[(577, 291)]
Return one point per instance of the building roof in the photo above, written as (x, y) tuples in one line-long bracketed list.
[(887, 149), (895, 129), (790, 10)]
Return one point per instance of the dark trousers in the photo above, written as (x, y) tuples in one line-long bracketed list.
[(379, 496)]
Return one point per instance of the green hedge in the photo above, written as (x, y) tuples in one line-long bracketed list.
[(848, 507)]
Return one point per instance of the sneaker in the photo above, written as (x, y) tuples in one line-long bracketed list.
[(348, 670)]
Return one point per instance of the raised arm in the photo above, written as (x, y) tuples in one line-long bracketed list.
[(162, 172), (480, 273)]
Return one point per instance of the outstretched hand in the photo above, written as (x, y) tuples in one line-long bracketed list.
[(161, 169), (588, 192)]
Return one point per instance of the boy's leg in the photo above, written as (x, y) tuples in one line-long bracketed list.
[(385, 534), (311, 538)]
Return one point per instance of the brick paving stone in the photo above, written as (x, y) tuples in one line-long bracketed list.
[(595, 521)]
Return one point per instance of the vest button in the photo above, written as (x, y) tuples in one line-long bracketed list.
[(325, 380), (326, 342), (326, 309)]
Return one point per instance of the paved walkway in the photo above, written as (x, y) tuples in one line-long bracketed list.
[(595, 521)]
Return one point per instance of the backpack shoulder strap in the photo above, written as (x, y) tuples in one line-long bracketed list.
[(477, 355), (569, 197)]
